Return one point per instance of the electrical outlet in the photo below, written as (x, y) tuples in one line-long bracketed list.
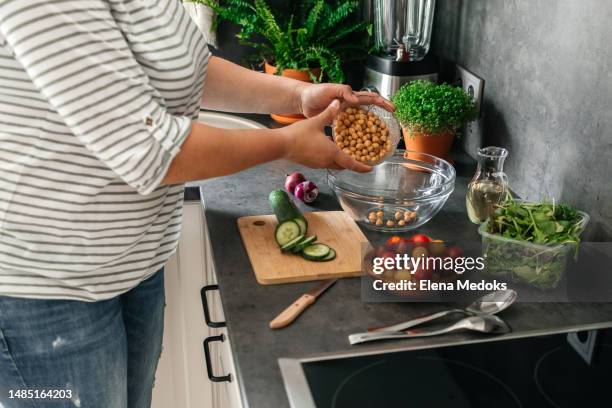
[(471, 83)]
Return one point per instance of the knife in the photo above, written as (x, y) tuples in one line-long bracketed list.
[(296, 308)]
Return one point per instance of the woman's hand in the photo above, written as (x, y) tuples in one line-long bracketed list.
[(312, 99), (308, 145)]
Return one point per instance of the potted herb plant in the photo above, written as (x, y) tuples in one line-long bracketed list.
[(431, 114), (309, 41)]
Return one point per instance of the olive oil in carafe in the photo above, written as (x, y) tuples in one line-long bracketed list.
[(481, 199)]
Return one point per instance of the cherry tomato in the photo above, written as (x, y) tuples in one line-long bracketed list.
[(422, 273), (404, 246), (454, 252), (393, 242), (420, 239), (388, 254), (437, 247)]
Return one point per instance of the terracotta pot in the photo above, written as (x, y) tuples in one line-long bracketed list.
[(300, 75), (437, 144)]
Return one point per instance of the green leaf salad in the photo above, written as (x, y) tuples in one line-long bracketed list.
[(536, 240)]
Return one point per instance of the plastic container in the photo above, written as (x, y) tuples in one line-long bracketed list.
[(537, 265)]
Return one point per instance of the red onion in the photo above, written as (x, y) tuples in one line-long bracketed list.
[(306, 191), (293, 180)]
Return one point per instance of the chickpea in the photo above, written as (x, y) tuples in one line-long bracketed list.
[(379, 222), (363, 133), (347, 151), (380, 214), (401, 223), (390, 223), (398, 215)]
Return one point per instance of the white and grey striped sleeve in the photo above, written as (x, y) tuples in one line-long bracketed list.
[(77, 56)]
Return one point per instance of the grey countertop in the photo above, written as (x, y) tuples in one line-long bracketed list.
[(323, 328)]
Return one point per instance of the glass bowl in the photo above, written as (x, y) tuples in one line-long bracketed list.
[(407, 183), (394, 134)]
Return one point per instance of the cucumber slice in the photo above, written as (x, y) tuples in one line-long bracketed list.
[(303, 224), (291, 244), (305, 242), (286, 231), (316, 252), (330, 257)]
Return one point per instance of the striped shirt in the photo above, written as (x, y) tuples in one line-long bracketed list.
[(96, 98)]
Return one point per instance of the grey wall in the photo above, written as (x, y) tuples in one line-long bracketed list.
[(548, 93)]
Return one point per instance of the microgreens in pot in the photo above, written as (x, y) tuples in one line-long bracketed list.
[(430, 108)]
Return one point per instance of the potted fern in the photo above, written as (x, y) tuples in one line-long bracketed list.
[(431, 114), (309, 43)]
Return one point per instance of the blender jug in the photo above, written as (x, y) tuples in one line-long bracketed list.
[(402, 28)]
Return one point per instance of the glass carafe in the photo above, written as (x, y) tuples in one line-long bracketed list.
[(489, 186)]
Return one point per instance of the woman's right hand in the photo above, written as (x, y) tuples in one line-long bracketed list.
[(308, 145)]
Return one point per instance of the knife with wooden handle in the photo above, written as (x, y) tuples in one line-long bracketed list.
[(296, 308)]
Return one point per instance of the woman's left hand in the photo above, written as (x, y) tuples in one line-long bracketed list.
[(314, 98)]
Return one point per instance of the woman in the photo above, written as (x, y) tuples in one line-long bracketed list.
[(97, 135)]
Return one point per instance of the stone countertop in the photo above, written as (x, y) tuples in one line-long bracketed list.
[(323, 328)]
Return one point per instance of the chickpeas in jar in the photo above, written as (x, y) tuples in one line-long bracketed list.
[(362, 135)]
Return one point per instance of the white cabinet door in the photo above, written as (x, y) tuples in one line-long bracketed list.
[(181, 378), (181, 375)]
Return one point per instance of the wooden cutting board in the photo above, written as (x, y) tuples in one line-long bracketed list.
[(271, 266)]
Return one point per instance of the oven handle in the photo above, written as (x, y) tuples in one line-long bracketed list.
[(209, 322), (209, 371)]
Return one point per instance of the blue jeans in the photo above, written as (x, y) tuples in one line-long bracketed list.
[(95, 354)]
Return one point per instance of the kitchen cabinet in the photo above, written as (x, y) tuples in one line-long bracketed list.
[(182, 378)]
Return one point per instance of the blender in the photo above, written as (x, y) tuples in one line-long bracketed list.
[(402, 35)]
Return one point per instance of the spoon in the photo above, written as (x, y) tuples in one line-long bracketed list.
[(490, 304), (483, 324)]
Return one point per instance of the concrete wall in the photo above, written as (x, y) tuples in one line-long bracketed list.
[(548, 93)]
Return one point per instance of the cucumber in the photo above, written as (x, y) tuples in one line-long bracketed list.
[(286, 232), (303, 244), (316, 252), (285, 209), (303, 224), (291, 244), (330, 257)]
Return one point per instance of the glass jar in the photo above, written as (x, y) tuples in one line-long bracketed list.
[(489, 186)]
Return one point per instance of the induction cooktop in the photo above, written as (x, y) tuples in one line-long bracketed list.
[(527, 372)]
